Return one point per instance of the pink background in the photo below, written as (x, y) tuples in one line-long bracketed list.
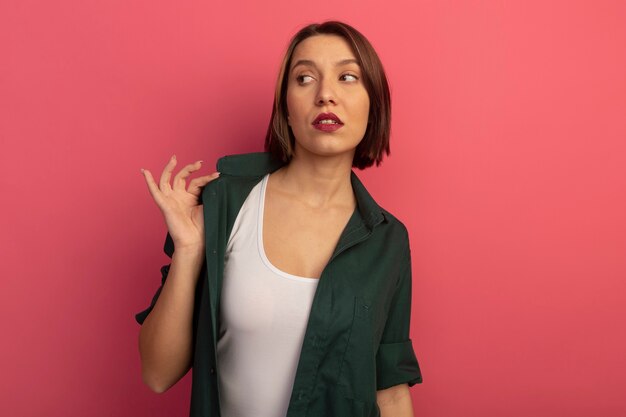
[(509, 141)]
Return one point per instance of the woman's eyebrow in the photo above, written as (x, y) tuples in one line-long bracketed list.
[(308, 62)]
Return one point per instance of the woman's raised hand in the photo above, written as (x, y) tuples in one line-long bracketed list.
[(180, 204)]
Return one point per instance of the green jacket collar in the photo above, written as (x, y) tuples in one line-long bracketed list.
[(261, 163)]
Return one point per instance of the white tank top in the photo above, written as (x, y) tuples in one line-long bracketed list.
[(264, 312)]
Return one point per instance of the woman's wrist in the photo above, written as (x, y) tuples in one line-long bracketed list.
[(187, 263), (188, 252)]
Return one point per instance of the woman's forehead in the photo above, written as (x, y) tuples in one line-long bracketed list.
[(323, 49)]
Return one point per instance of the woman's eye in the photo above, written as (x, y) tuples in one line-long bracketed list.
[(304, 79), (349, 77)]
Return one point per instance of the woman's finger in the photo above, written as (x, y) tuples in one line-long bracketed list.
[(195, 185), (183, 174), (152, 185), (164, 183)]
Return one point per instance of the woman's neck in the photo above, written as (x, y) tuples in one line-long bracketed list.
[(319, 182)]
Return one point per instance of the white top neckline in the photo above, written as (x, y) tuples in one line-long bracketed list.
[(264, 257)]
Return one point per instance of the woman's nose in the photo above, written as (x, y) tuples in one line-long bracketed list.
[(325, 93)]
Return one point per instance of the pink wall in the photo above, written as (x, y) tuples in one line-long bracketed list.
[(509, 134)]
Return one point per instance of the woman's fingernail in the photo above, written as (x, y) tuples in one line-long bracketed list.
[(174, 157), (141, 169)]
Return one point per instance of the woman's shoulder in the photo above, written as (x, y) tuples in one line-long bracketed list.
[(250, 164), (238, 172), (395, 223)]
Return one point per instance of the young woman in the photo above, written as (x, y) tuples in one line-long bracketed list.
[(289, 290)]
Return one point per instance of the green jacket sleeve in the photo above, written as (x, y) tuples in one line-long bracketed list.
[(395, 360), (168, 248)]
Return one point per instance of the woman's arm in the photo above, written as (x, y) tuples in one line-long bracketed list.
[(395, 401), (165, 339)]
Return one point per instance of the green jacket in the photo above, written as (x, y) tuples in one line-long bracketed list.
[(357, 337)]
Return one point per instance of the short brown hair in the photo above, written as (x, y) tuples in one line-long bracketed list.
[(280, 140)]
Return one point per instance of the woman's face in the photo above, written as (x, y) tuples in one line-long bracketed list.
[(328, 105)]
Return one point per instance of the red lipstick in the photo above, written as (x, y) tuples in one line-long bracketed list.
[(327, 122)]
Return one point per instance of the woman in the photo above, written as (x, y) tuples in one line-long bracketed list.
[(289, 289)]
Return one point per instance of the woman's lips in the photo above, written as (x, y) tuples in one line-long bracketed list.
[(327, 127), (327, 122)]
